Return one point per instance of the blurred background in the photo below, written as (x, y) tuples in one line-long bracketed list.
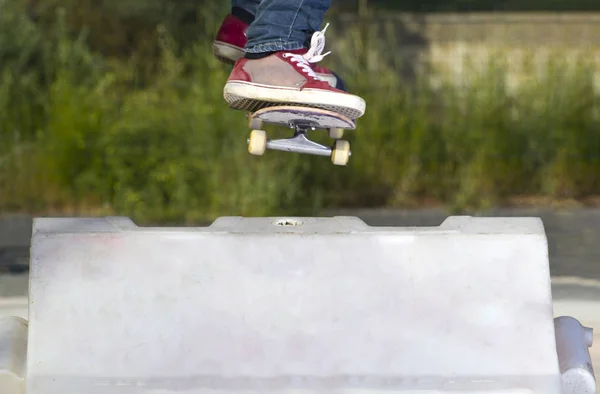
[(116, 107), (481, 107)]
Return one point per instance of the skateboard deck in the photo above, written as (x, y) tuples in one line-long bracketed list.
[(302, 120)]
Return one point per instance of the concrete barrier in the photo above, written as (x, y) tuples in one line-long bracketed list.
[(292, 304)]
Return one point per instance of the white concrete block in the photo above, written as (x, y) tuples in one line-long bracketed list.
[(328, 304)]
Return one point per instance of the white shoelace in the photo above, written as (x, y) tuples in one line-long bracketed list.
[(313, 55)]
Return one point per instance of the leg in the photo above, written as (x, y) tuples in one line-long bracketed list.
[(279, 67), (285, 25), (288, 25), (231, 40)]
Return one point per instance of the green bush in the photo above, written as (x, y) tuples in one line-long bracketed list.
[(82, 133)]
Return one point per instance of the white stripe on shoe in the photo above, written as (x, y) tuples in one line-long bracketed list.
[(226, 52), (251, 97)]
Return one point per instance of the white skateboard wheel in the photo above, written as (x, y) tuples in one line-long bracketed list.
[(258, 142), (341, 153)]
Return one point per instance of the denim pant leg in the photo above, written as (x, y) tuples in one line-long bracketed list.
[(249, 5), (285, 24)]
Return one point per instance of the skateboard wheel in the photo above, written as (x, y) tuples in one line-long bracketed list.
[(254, 123), (257, 143), (336, 133), (341, 153)]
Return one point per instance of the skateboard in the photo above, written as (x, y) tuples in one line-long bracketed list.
[(302, 120)]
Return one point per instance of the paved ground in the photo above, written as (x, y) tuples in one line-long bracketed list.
[(14, 285), (15, 232)]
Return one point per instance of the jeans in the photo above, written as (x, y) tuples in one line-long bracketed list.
[(282, 25)]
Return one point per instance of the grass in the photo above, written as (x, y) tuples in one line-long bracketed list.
[(80, 134)]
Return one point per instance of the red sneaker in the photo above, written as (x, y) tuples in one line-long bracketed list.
[(282, 78), (231, 40)]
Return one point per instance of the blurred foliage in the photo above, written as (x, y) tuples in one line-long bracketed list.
[(114, 107)]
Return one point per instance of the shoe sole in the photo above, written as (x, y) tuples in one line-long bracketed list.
[(227, 53), (252, 97)]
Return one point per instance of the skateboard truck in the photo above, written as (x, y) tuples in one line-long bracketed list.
[(300, 143), (302, 120)]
